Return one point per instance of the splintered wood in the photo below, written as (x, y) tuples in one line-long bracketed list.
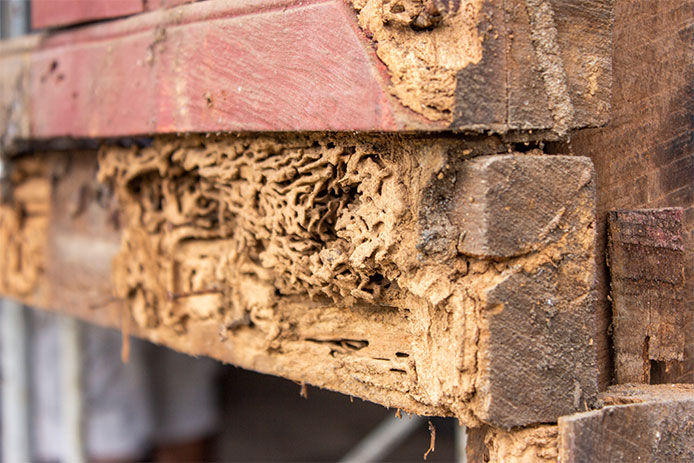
[(403, 270)]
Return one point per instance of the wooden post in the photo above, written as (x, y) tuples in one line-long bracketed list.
[(644, 156), (647, 269)]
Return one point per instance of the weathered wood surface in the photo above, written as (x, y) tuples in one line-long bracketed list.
[(48, 13), (475, 448), (652, 426), (55, 13), (321, 65), (647, 274), (645, 158), (636, 423), (341, 262)]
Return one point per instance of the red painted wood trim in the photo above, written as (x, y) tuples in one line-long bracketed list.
[(56, 13), (270, 65), (52, 13)]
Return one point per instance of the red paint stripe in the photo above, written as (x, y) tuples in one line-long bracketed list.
[(52, 13), (287, 67)]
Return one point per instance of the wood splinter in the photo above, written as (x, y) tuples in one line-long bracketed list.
[(432, 440)]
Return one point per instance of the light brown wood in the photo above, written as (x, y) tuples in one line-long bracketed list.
[(338, 261)]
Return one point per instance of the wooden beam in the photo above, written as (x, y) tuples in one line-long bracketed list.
[(645, 158), (647, 272), (648, 425), (316, 65), (636, 423), (338, 261)]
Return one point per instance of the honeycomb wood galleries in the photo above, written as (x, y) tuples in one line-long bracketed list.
[(410, 271)]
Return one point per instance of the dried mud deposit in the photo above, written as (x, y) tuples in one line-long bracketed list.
[(530, 445), (423, 43)]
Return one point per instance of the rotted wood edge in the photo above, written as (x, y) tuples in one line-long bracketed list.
[(646, 257), (519, 379)]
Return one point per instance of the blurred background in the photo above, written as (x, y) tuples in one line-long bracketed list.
[(166, 406)]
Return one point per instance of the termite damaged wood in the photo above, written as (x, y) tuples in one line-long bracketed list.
[(410, 271)]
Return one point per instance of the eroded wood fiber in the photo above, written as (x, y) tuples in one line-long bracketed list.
[(334, 260), (24, 220), (535, 444)]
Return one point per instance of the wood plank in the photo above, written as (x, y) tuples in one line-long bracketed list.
[(51, 13), (647, 274), (336, 261), (301, 68), (315, 65), (654, 426), (636, 423), (57, 13), (644, 158)]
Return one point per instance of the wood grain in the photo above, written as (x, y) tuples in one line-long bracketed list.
[(654, 427), (282, 68), (636, 423), (645, 158), (56, 13), (506, 341), (647, 270), (277, 65)]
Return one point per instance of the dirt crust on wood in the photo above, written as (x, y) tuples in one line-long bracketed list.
[(423, 43), (529, 445), (345, 262)]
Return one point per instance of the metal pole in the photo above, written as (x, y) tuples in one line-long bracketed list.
[(382, 440), (14, 17), (460, 443), (71, 363), (15, 387), (14, 21)]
